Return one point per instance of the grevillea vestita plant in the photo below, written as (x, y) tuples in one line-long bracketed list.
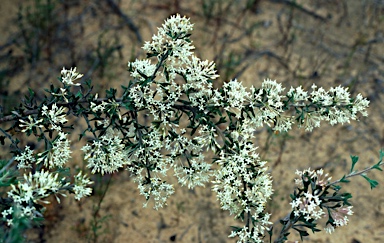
[(169, 120)]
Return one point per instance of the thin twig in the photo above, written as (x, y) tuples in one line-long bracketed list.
[(355, 173), (126, 19), (301, 8), (7, 165)]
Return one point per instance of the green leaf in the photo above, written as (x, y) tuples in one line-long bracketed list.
[(79, 94), (377, 166), (221, 120), (149, 55), (81, 135), (344, 180), (301, 232), (146, 81), (31, 92), (354, 161), (236, 229), (372, 183)]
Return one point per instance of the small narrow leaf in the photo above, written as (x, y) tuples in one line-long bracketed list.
[(372, 183), (377, 166), (344, 180), (79, 94), (354, 161)]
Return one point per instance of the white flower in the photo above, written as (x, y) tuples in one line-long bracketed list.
[(198, 71), (30, 124), (242, 184), (141, 68), (63, 93), (107, 154), (170, 35), (197, 174), (80, 187), (68, 76), (101, 107), (340, 95), (59, 154), (34, 188), (236, 94), (56, 115), (298, 94), (311, 120), (25, 159), (154, 188), (329, 229), (360, 104), (283, 123), (340, 215)]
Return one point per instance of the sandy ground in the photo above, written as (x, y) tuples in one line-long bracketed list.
[(286, 44)]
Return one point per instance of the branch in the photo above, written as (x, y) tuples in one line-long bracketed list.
[(126, 19), (301, 8), (15, 116), (7, 165), (356, 173)]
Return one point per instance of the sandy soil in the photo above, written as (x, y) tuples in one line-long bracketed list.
[(329, 44)]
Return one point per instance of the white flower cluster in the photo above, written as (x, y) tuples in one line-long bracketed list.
[(142, 69), (111, 107), (195, 171), (321, 178), (150, 183), (340, 218), (236, 95), (56, 115), (196, 174), (309, 204), (39, 185), (56, 156), (242, 184), (246, 234), (59, 154), (267, 104), (80, 187), (335, 106), (154, 188), (28, 125), (171, 38), (173, 50), (25, 159), (158, 91), (160, 151), (33, 189), (68, 76), (241, 181), (107, 154)]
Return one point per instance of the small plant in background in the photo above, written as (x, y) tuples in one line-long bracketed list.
[(100, 190), (169, 120), (36, 29)]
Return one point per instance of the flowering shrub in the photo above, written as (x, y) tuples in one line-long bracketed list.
[(170, 120)]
